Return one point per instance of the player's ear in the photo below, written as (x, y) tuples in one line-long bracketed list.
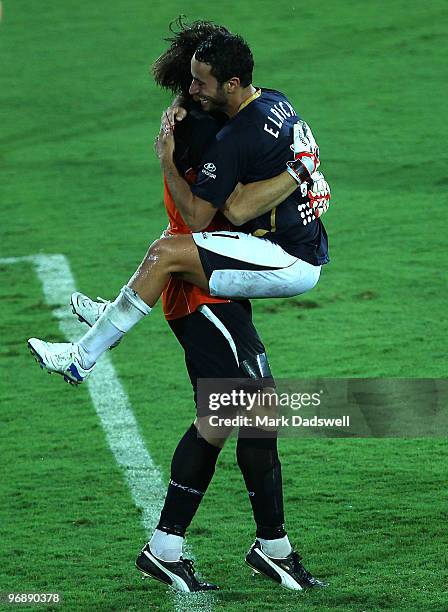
[(232, 84)]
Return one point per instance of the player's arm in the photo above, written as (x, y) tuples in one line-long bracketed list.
[(254, 199), (196, 212)]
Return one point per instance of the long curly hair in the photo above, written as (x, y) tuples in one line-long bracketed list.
[(172, 69)]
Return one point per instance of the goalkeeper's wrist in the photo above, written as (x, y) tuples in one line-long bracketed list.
[(298, 171)]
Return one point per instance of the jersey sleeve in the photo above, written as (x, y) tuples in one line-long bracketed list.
[(221, 169)]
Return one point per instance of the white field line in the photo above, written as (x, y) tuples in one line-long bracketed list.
[(114, 409)]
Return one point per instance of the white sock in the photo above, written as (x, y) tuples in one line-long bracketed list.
[(277, 549), (117, 319), (166, 546), (97, 340)]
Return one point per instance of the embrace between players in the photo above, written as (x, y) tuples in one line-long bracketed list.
[(247, 174), (232, 155)]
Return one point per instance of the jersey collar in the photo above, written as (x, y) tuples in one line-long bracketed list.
[(253, 97)]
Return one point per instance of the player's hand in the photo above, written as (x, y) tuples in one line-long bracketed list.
[(306, 153), (319, 194), (164, 146), (175, 113), (167, 122), (172, 115), (164, 142)]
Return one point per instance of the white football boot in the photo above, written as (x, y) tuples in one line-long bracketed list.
[(60, 357), (88, 311)]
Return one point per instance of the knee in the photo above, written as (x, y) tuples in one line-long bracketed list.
[(216, 436), (159, 252), (169, 252)]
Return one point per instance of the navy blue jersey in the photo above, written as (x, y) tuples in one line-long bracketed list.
[(255, 145)]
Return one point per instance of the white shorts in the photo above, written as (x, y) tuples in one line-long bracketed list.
[(239, 265)]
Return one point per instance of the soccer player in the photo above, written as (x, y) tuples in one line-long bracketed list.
[(219, 340), (284, 255)]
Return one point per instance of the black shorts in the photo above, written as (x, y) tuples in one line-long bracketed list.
[(220, 341)]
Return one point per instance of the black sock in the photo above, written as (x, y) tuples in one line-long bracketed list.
[(192, 468), (259, 463)]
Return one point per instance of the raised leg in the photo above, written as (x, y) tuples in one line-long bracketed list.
[(172, 255)]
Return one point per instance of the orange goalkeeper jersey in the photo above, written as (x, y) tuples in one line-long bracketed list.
[(180, 298)]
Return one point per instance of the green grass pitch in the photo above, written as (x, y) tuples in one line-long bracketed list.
[(78, 114)]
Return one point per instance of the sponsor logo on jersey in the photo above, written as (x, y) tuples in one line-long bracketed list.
[(209, 170)]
